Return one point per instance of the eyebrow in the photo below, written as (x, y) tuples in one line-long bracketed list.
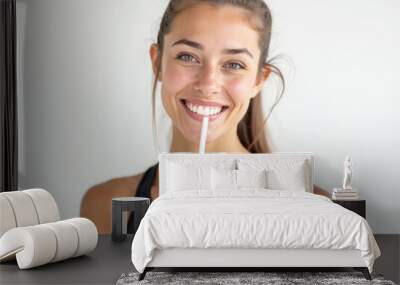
[(200, 47)]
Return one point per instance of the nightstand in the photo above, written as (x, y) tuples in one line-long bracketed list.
[(137, 206), (357, 206)]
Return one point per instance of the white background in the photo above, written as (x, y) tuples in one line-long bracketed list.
[(84, 94)]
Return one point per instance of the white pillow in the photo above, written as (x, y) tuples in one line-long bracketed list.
[(294, 178), (186, 177), (223, 179), (251, 178)]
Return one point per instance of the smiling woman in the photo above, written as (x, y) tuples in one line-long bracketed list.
[(214, 53), (211, 58)]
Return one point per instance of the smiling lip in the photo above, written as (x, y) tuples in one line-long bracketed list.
[(204, 103), (199, 117)]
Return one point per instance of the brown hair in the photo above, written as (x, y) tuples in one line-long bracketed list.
[(251, 131)]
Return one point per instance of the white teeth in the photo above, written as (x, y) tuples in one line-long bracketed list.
[(203, 110), (200, 110)]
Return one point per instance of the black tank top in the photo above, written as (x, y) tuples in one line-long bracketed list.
[(143, 190), (146, 182)]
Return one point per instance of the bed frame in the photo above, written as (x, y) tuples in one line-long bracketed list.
[(250, 259)]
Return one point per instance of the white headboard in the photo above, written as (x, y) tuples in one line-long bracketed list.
[(265, 159)]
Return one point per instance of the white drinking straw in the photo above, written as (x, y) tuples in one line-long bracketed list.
[(203, 137)]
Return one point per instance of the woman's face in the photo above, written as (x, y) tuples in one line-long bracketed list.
[(209, 68)]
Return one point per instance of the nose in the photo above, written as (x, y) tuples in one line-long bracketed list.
[(207, 80)]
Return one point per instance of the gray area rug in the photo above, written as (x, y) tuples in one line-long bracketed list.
[(228, 278)]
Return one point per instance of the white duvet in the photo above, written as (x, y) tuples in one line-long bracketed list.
[(251, 218)]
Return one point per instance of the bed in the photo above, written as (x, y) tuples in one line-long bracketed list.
[(247, 211)]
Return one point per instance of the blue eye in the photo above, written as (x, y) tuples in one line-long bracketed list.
[(189, 58), (186, 57), (235, 65)]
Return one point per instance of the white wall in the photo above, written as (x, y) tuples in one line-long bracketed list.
[(85, 94)]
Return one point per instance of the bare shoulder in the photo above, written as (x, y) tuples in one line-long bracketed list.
[(117, 186), (122, 185), (96, 202)]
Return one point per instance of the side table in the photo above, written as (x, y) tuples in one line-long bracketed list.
[(358, 206), (137, 206)]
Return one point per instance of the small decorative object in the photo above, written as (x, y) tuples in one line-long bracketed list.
[(347, 192), (347, 173)]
